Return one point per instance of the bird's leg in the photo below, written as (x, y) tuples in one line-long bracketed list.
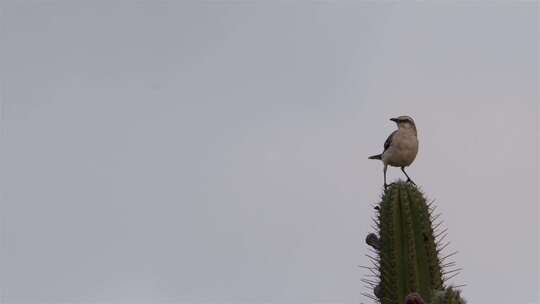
[(409, 180), (384, 170)]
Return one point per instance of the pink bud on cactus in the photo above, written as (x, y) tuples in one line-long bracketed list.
[(414, 298)]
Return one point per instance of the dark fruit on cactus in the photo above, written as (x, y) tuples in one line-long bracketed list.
[(373, 240), (408, 259), (377, 291)]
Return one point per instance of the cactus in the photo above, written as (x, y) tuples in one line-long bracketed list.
[(407, 249), (447, 296)]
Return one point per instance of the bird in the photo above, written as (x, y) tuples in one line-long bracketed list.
[(401, 147)]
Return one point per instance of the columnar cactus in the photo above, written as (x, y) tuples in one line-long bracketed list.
[(406, 249)]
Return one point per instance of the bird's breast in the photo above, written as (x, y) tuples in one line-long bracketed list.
[(403, 150)]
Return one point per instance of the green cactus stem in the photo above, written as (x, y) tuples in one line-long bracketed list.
[(447, 296), (406, 248)]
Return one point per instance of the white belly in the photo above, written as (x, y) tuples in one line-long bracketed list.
[(402, 151)]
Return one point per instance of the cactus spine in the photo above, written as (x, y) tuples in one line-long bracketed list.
[(406, 246)]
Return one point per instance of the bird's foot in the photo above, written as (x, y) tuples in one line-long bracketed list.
[(385, 186), (410, 181)]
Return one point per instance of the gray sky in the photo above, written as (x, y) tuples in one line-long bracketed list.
[(190, 152)]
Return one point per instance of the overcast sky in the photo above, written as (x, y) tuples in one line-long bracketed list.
[(195, 152)]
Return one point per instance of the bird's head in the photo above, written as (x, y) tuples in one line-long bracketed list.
[(404, 122)]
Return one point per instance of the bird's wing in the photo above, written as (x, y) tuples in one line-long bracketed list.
[(388, 141)]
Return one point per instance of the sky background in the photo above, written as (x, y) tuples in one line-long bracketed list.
[(216, 152)]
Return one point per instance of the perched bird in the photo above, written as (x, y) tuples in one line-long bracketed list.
[(401, 147)]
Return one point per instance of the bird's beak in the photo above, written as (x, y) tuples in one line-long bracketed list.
[(394, 119)]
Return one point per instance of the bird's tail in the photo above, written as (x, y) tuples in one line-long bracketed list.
[(378, 156)]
